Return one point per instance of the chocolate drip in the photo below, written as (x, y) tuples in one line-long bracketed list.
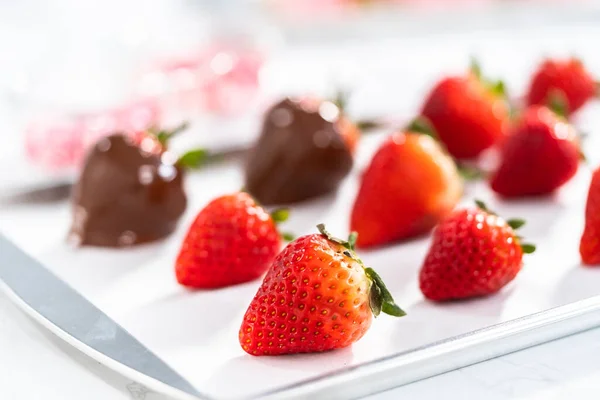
[(126, 196), (299, 155)]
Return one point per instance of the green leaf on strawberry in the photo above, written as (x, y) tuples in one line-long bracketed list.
[(165, 135)]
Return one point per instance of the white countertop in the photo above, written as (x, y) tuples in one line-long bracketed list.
[(38, 366)]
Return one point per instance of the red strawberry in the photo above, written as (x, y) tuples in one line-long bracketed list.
[(539, 156), (469, 115), (566, 79), (409, 186), (473, 253), (589, 247), (232, 240), (317, 296)]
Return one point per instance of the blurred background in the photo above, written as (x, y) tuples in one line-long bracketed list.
[(74, 70)]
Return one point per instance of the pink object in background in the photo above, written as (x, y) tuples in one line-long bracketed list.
[(62, 142), (303, 9), (220, 80)]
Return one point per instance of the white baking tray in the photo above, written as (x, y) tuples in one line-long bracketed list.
[(196, 331)]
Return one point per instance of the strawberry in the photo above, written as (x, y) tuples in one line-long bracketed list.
[(317, 296), (565, 79), (409, 186), (589, 247), (232, 240), (469, 114), (539, 156), (473, 253)]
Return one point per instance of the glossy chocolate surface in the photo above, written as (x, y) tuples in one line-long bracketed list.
[(300, 154), (126, 196)]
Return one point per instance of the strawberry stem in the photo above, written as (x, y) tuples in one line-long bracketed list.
[(280, 215), (349, 244), (352, 240), (367, 125), (557, 102), (528, 248), (421, 125), (469, 172), (380, 298), (341, 100), (482, 206), (475, 67), (288, 237), (496, 87), (163, 136), (515, 223), (194, 158)]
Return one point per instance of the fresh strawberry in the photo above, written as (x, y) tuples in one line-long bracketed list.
[(539, 155), (317, 296), (468, 113), (566, 79), (409, 186), (473, 253), (232, 240), (589, 247)]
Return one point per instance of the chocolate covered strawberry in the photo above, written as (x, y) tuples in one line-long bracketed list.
[(305, 149), (473, 253), (589, 247), (131, 190), (562, 79), (409, 186), (317, 296), (540, 154), (232, 240), (128, 193), (469, 114)]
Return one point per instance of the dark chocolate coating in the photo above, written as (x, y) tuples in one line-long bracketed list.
[(125, 196), (299, 155)]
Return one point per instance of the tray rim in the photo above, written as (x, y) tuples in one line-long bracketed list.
[(376, 376)]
